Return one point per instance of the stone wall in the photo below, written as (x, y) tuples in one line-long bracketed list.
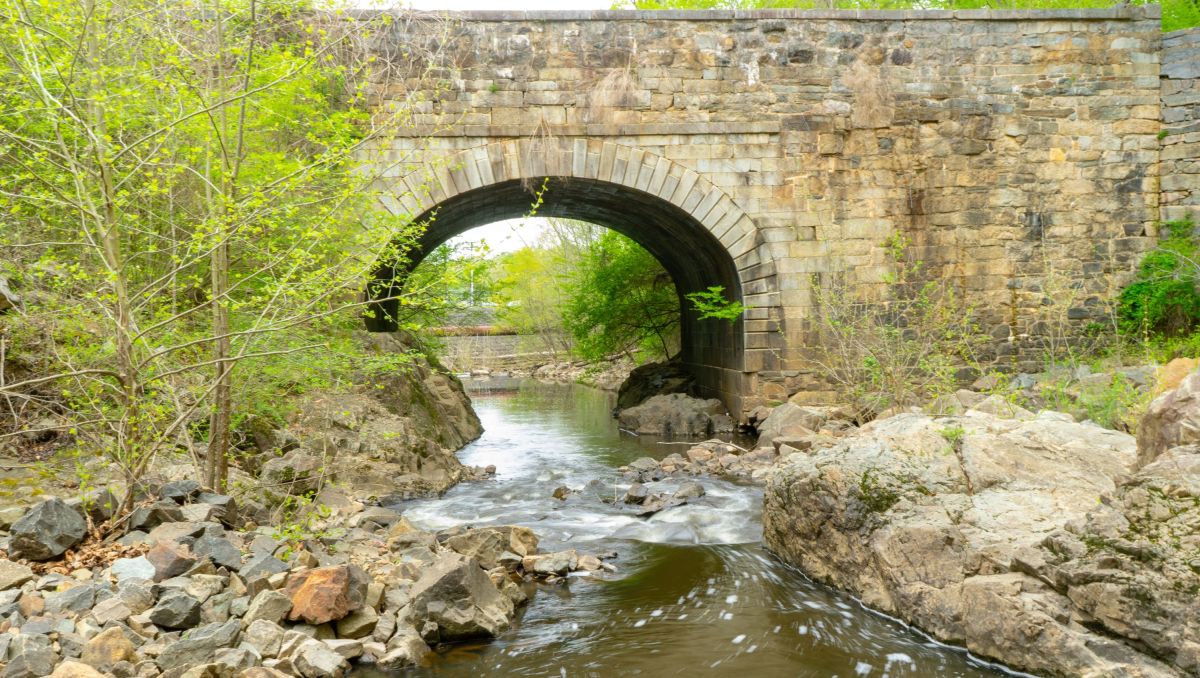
[(1181, 125), (1017, 150)]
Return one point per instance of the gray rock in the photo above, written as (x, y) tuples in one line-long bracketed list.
[(406, 648), (262, 565), (220, 551), (137, 593), (13, 574), (558, 563), (264, 636), (113, 609), (132, 568), (358, 624), (689, 490), (236, 659), (456, 594), (347, 648), (75, 599), (271, 606), (200, 644), (149, 517), (46, 531), (35, 663), (636, 494), (676, 414), (314, 659), (179, 491), (176, 610)]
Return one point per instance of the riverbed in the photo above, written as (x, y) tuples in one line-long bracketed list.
[(695, 592)]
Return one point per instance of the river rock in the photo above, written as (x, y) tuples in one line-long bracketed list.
[(689, 490), (46, 531), (934, 520), (488, 543), (677, 414), (326, 594), (454, 593), (559, 563), (1172, 419)]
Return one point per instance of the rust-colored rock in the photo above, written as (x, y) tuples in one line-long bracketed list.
[(170, 559), (326, 594)]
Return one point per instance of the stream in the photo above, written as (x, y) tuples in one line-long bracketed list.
[(695, 592)]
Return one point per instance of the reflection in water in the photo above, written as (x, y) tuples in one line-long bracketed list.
[(695, 592)]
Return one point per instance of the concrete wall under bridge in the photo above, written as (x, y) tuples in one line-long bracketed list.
[(773, 151)]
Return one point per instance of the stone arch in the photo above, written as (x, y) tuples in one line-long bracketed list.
[(693, 227)]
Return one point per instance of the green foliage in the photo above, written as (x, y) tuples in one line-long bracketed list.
[(1164, 299), (899, 348), (1176, 14), (711, 303), (621, 301), (878, 497), (954, 434)]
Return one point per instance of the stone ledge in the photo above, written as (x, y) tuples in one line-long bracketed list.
[(1128, 13)]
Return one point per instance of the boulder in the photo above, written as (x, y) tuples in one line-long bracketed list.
[(35, 663), (790, 419), (654, 379), (358, 624), (264, 636), (46, 531), (488, 543), (132, 568), (220, 551), (179, 491), (1173, 419), (454, 593), (940, 521), (326, 594), (676, 414), (295, 473)]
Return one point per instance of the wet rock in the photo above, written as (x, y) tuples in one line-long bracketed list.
[(176, 610), (636, 494), (559, 563), (1173, 419), (676, 414), (107, 649), (689, 490), (488, 543), (46, 531), (454, 593), (561, 492), (326, 594)]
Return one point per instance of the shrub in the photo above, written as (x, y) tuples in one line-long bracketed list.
[(1163, 301)]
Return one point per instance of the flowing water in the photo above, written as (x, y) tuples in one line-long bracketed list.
[(695, 592)]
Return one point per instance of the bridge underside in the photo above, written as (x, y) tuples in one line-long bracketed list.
[(694, 258)]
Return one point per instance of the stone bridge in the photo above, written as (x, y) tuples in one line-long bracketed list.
[(773, 151)]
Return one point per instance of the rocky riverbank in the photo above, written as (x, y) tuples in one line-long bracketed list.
[(1053, 546), (192, 591)]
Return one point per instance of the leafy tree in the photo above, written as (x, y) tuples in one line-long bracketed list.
[(622, 301), (184, 202)]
